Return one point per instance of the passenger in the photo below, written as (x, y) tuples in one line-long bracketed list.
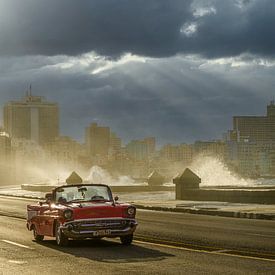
[(62, 200)]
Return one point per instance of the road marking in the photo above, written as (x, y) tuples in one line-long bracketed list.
[(17, 262), (205, 251), (177, 244), (223, 251), (198, 247), (9, 197), (16, 244), (262, 235)]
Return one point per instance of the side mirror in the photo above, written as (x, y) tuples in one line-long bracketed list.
[(116, 198), (48, 198)]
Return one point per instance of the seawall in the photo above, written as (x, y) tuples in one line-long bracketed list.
[(227, 195)]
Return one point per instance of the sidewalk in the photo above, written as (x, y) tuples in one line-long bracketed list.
[(164, 201)]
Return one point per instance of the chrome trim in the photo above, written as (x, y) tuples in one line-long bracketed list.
[(99, 224), (112, 231), (99, 219), (70, 228)]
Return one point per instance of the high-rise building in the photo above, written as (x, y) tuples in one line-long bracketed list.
[(32, 118), (141, 149), (256, 128), (213, 148), (97, 140), (137, 150), (151, 145), (174, 153), (115, 145)]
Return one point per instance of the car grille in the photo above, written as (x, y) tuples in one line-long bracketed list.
[(90, 225)]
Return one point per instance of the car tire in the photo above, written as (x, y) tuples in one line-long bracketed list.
[(61, 239), (38, 238), (127, 240)]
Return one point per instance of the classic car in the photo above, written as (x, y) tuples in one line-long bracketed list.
[(81, 211)]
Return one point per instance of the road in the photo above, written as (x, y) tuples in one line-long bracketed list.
[(166, 243)]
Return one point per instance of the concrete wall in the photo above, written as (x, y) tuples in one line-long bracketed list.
[(135, 188), (237, 196)]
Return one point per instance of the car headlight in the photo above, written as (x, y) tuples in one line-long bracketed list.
[(131, 211), (68, 214)]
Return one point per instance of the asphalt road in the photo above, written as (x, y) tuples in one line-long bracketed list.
[(166, 243)]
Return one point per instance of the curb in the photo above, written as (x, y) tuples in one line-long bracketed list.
[(228, 214), (22, 196), (220, 213)]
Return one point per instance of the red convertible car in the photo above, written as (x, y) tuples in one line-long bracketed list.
[(81, 212)]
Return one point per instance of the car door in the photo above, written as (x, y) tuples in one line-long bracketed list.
[(46, 220)]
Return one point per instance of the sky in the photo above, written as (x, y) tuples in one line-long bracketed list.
[(174, 69)]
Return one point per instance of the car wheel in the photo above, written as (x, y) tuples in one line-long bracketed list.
[(60, 238), (126, 240), (37, 237)]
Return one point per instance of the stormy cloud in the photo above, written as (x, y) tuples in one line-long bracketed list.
[(178, 70), (156, 28), (179, 99)]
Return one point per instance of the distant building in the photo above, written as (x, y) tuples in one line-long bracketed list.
[(214, 148), (137, 150), (64, 151), (5, 158), (175, 153), (115, 144), (251, 144), (255, 128), (141, 149), (251, 159), (32, 118), (97, 140), (151, 145)]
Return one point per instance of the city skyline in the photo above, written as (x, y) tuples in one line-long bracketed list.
[(179, 71), (41, 99)]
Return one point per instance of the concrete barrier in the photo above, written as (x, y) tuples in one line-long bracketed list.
[(235, 196), (120, 189)]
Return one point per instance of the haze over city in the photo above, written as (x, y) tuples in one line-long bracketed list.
[(176, 70), (137, 137)]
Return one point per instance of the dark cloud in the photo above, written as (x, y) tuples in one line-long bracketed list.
[(143, 27), (233, 29), (175, 96), (175, 99), (109, 27)]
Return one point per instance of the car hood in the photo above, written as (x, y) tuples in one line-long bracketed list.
[(89, 210)]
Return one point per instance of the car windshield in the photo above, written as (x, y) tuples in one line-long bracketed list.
[(82, 193)]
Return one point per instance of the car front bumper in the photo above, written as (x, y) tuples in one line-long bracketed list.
[(99, 228)]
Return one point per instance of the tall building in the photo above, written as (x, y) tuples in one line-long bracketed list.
[(97, 140), (174, 153), (213, 148), (32, 118), (151, 145), (141, 149), (255, 128), (115, 145), (137, 150)]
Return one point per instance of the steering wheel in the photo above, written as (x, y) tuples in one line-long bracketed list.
[(97, 197)]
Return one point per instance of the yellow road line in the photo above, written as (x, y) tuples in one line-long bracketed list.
[(205, 251), (178, 243), (198, 247)]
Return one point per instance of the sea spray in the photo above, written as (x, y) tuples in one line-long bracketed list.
[(98, 175), (213, 172)]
